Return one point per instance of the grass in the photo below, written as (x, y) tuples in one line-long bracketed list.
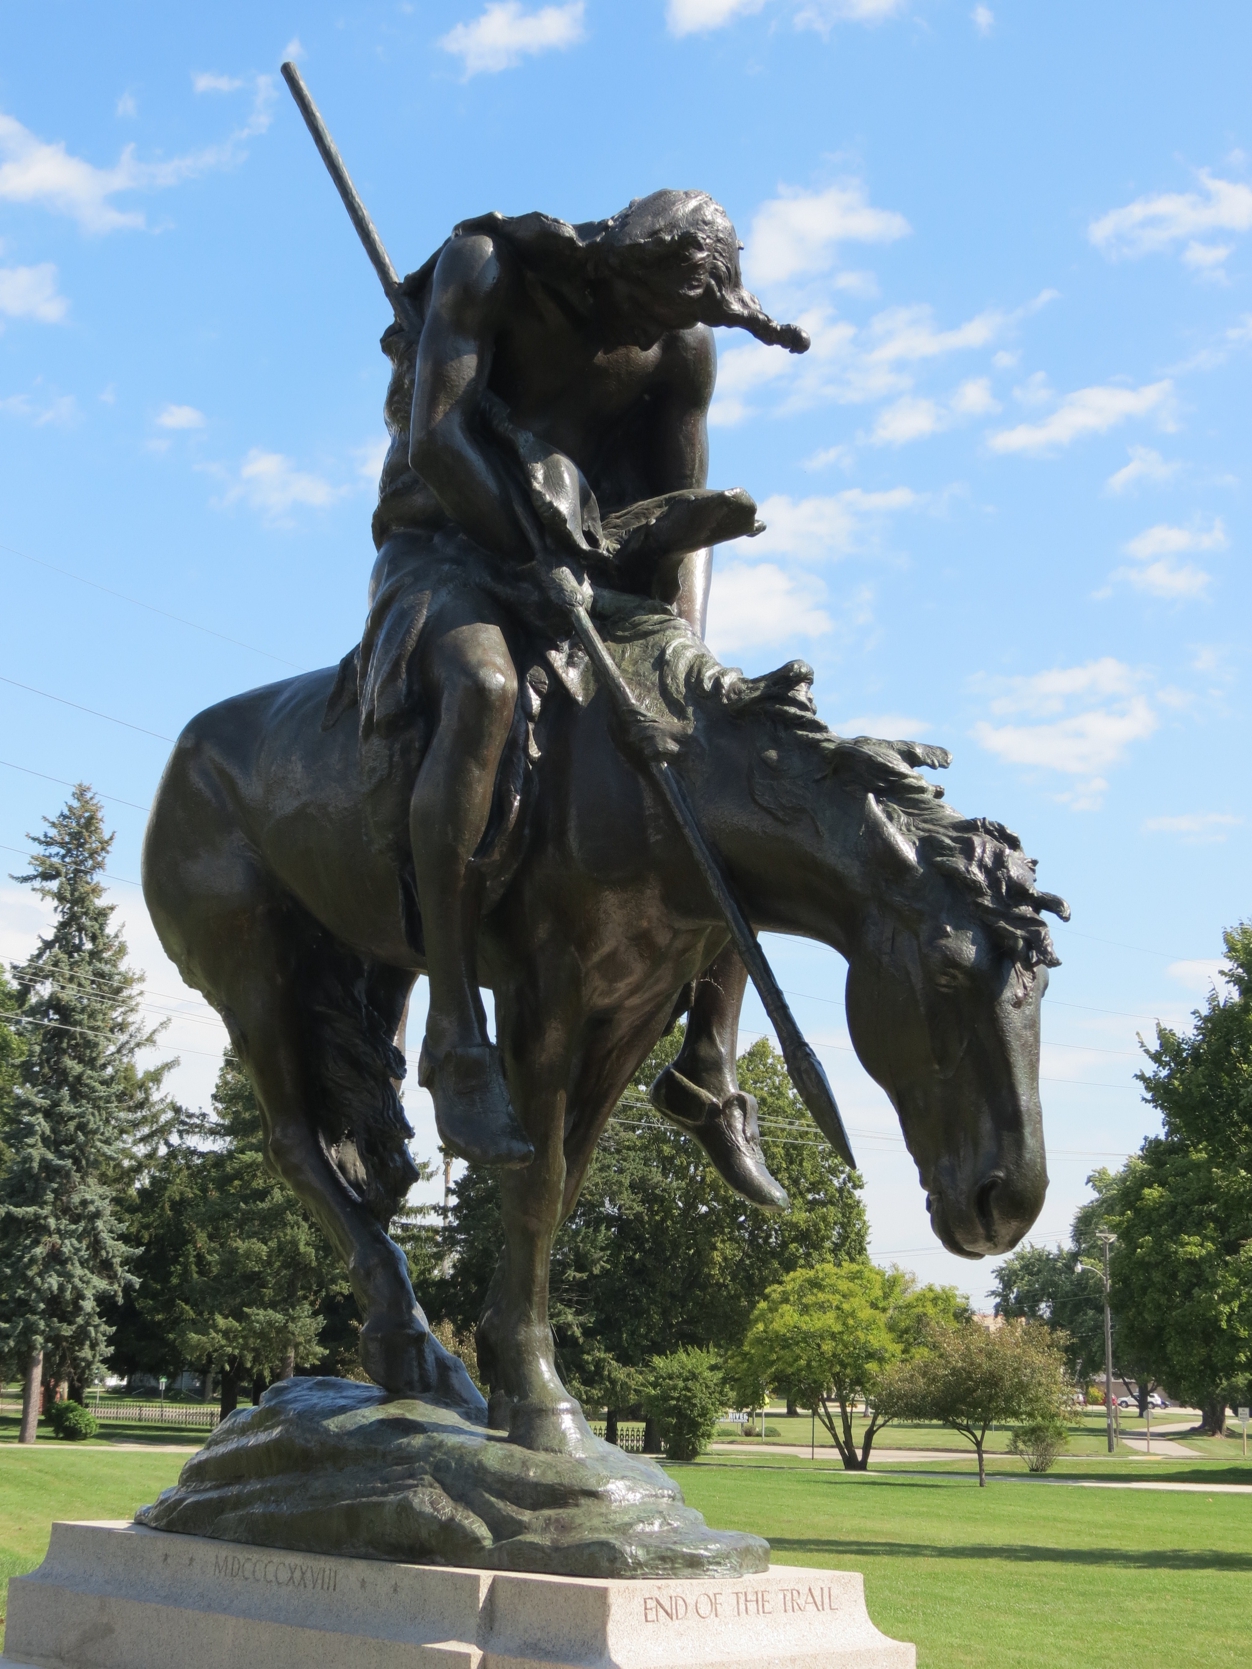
[(1087, 1435), (1015, 1577), (70, 1480)]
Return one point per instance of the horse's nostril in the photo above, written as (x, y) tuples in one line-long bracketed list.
[(985, 1204)]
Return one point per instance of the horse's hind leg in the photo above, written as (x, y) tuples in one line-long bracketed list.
[(263, 962)]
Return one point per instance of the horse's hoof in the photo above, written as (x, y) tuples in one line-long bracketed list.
[(408, 1362), (473, 1113), (553, 1428), (726, 1130)]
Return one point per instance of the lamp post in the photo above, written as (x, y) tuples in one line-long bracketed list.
[(1106, 1239)]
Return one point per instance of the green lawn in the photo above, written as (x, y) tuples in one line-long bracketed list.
[(1017, 1574), (1087, 1435), (70, 1480)]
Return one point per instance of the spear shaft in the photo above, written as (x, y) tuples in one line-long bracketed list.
[(803, 1067)]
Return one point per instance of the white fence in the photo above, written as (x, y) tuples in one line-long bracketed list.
[(200, 1416)]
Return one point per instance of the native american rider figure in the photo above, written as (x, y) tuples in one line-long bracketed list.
[(547, 431)]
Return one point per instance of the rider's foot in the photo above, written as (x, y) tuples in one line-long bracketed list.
[(727, 1130), (473, 1113)]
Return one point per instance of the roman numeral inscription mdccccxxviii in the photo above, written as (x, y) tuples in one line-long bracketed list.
[(279, 1573), (738, 1602)]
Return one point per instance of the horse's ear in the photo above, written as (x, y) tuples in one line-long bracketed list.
[(889, 844)]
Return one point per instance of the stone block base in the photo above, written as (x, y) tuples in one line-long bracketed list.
[(117, 1596)]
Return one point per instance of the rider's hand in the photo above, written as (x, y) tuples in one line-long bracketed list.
[(646, 738), (566, 585)]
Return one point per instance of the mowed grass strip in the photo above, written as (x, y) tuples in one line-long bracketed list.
[(66, 1480), (1016, 1574)]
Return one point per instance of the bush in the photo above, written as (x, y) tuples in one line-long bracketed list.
[(686, 1396), (1039, 1443), (72, 1421)]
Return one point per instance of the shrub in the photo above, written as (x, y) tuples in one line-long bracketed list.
[(1039, 1443), (686, 1396), (72, 1421)]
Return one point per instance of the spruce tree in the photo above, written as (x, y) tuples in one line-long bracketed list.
[(62, 1259)]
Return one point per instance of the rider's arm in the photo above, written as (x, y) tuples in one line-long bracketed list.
[(447, 447), (680, 452)]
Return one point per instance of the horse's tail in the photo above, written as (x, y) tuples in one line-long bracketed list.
[(353, 1016)]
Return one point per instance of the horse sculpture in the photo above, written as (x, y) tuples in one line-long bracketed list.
[(275, 872)]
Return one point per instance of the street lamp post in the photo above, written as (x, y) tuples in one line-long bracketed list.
[(1106, 1238)]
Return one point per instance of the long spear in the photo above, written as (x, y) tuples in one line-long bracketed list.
[(805, 1070)]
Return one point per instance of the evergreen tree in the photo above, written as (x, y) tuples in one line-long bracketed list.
[(234, 1275), (659, 1254), (61, 1256), (12, 1049)]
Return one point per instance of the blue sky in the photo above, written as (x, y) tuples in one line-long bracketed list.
[(1005, 490)]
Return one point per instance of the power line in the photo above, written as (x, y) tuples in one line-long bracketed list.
[(96, 986), (24, 853), (112, 798), (78, 707), (150, 607)]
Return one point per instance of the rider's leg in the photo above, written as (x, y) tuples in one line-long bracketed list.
[(471, 688), (701, 1090)]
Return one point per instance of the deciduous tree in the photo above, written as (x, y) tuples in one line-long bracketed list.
[(973, 1377), (830, 1332)]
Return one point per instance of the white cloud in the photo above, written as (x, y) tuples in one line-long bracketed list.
[(797, 233), (1198, 972), (505, 34), (908, 419), (126, 105), (61, 411), (1088, 411), (827, 456), (909, 334), (1154, 224), (699, 17), (912, 418), (1145, 465), (822, 15), (984, 19), (827, 526), (1197, 825), (31, 293), (180, 417), (293, 49), (974, 398), (216, 83), (1155, 572), (894, 726), (1086, 718), (1164, 540), (270, 483), (35, 171), (369, 458), (758, 605)]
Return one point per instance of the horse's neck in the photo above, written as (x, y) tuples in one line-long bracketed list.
[(790, 840)]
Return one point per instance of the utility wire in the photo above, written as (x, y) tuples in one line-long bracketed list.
[(24, 852), (150, 607), (78, 707), (112, 798)]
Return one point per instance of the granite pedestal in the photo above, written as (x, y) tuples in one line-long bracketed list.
[(118, 1596)]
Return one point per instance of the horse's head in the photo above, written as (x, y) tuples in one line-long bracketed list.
[(938, 915), (947, 969)]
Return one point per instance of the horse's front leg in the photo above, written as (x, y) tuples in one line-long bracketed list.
[(535, 1025)]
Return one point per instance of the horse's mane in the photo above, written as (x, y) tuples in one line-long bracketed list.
[(982, 857)]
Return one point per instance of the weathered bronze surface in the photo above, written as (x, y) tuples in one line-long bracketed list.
[(460, 798), (331, 1466)]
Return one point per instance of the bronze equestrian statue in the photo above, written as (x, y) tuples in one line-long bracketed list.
[(460, 798)]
